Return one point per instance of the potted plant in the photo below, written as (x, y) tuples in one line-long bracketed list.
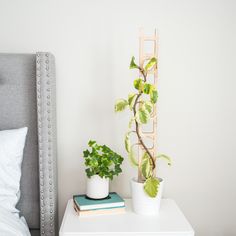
[(102, 164), (147, 188)]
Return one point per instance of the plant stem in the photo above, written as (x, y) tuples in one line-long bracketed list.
[(143, 73), (137, 124)]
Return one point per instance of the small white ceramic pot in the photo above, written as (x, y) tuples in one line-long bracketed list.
[(142, 203), (97, 187)]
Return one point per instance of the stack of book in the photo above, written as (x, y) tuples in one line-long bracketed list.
[(85, 206)]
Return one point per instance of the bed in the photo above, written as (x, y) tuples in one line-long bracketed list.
[(27, 98)]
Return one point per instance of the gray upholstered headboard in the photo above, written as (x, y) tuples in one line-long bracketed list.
[(27, 98)]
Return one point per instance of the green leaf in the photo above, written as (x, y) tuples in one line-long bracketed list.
[(94, 163), (91, 143), (153, 95), (146, 166), (132, 158), (138, 84), (148, 106), (166, 158), (143, 115), (127, 142), (89, 172), (131, 100), (86, 153), (120, 105), (151, 63), (133, 65), (151, 186), (147, 88)]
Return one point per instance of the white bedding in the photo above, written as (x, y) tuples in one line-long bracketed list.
[(12, 144), (12, 224)]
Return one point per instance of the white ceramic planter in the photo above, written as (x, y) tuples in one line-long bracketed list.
[(142, 203), (97, 187)]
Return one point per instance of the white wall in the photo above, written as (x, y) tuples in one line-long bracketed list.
[(93, 42)]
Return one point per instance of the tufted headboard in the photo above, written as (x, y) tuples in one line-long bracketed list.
[(27, 98)]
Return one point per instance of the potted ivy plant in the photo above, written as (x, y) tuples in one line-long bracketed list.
[(102, 165), (147, 188)]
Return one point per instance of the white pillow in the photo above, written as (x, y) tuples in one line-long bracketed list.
[(12, 144)]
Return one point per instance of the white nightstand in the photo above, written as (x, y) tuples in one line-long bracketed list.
[(171, 222)]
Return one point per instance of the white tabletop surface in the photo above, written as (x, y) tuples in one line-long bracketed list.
[(170, 222)]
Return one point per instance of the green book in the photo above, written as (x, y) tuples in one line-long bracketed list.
[(112, 201)]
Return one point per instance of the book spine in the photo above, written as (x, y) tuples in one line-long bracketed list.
[(100, 212)]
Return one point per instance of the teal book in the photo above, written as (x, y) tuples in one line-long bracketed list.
[(112, 201)]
